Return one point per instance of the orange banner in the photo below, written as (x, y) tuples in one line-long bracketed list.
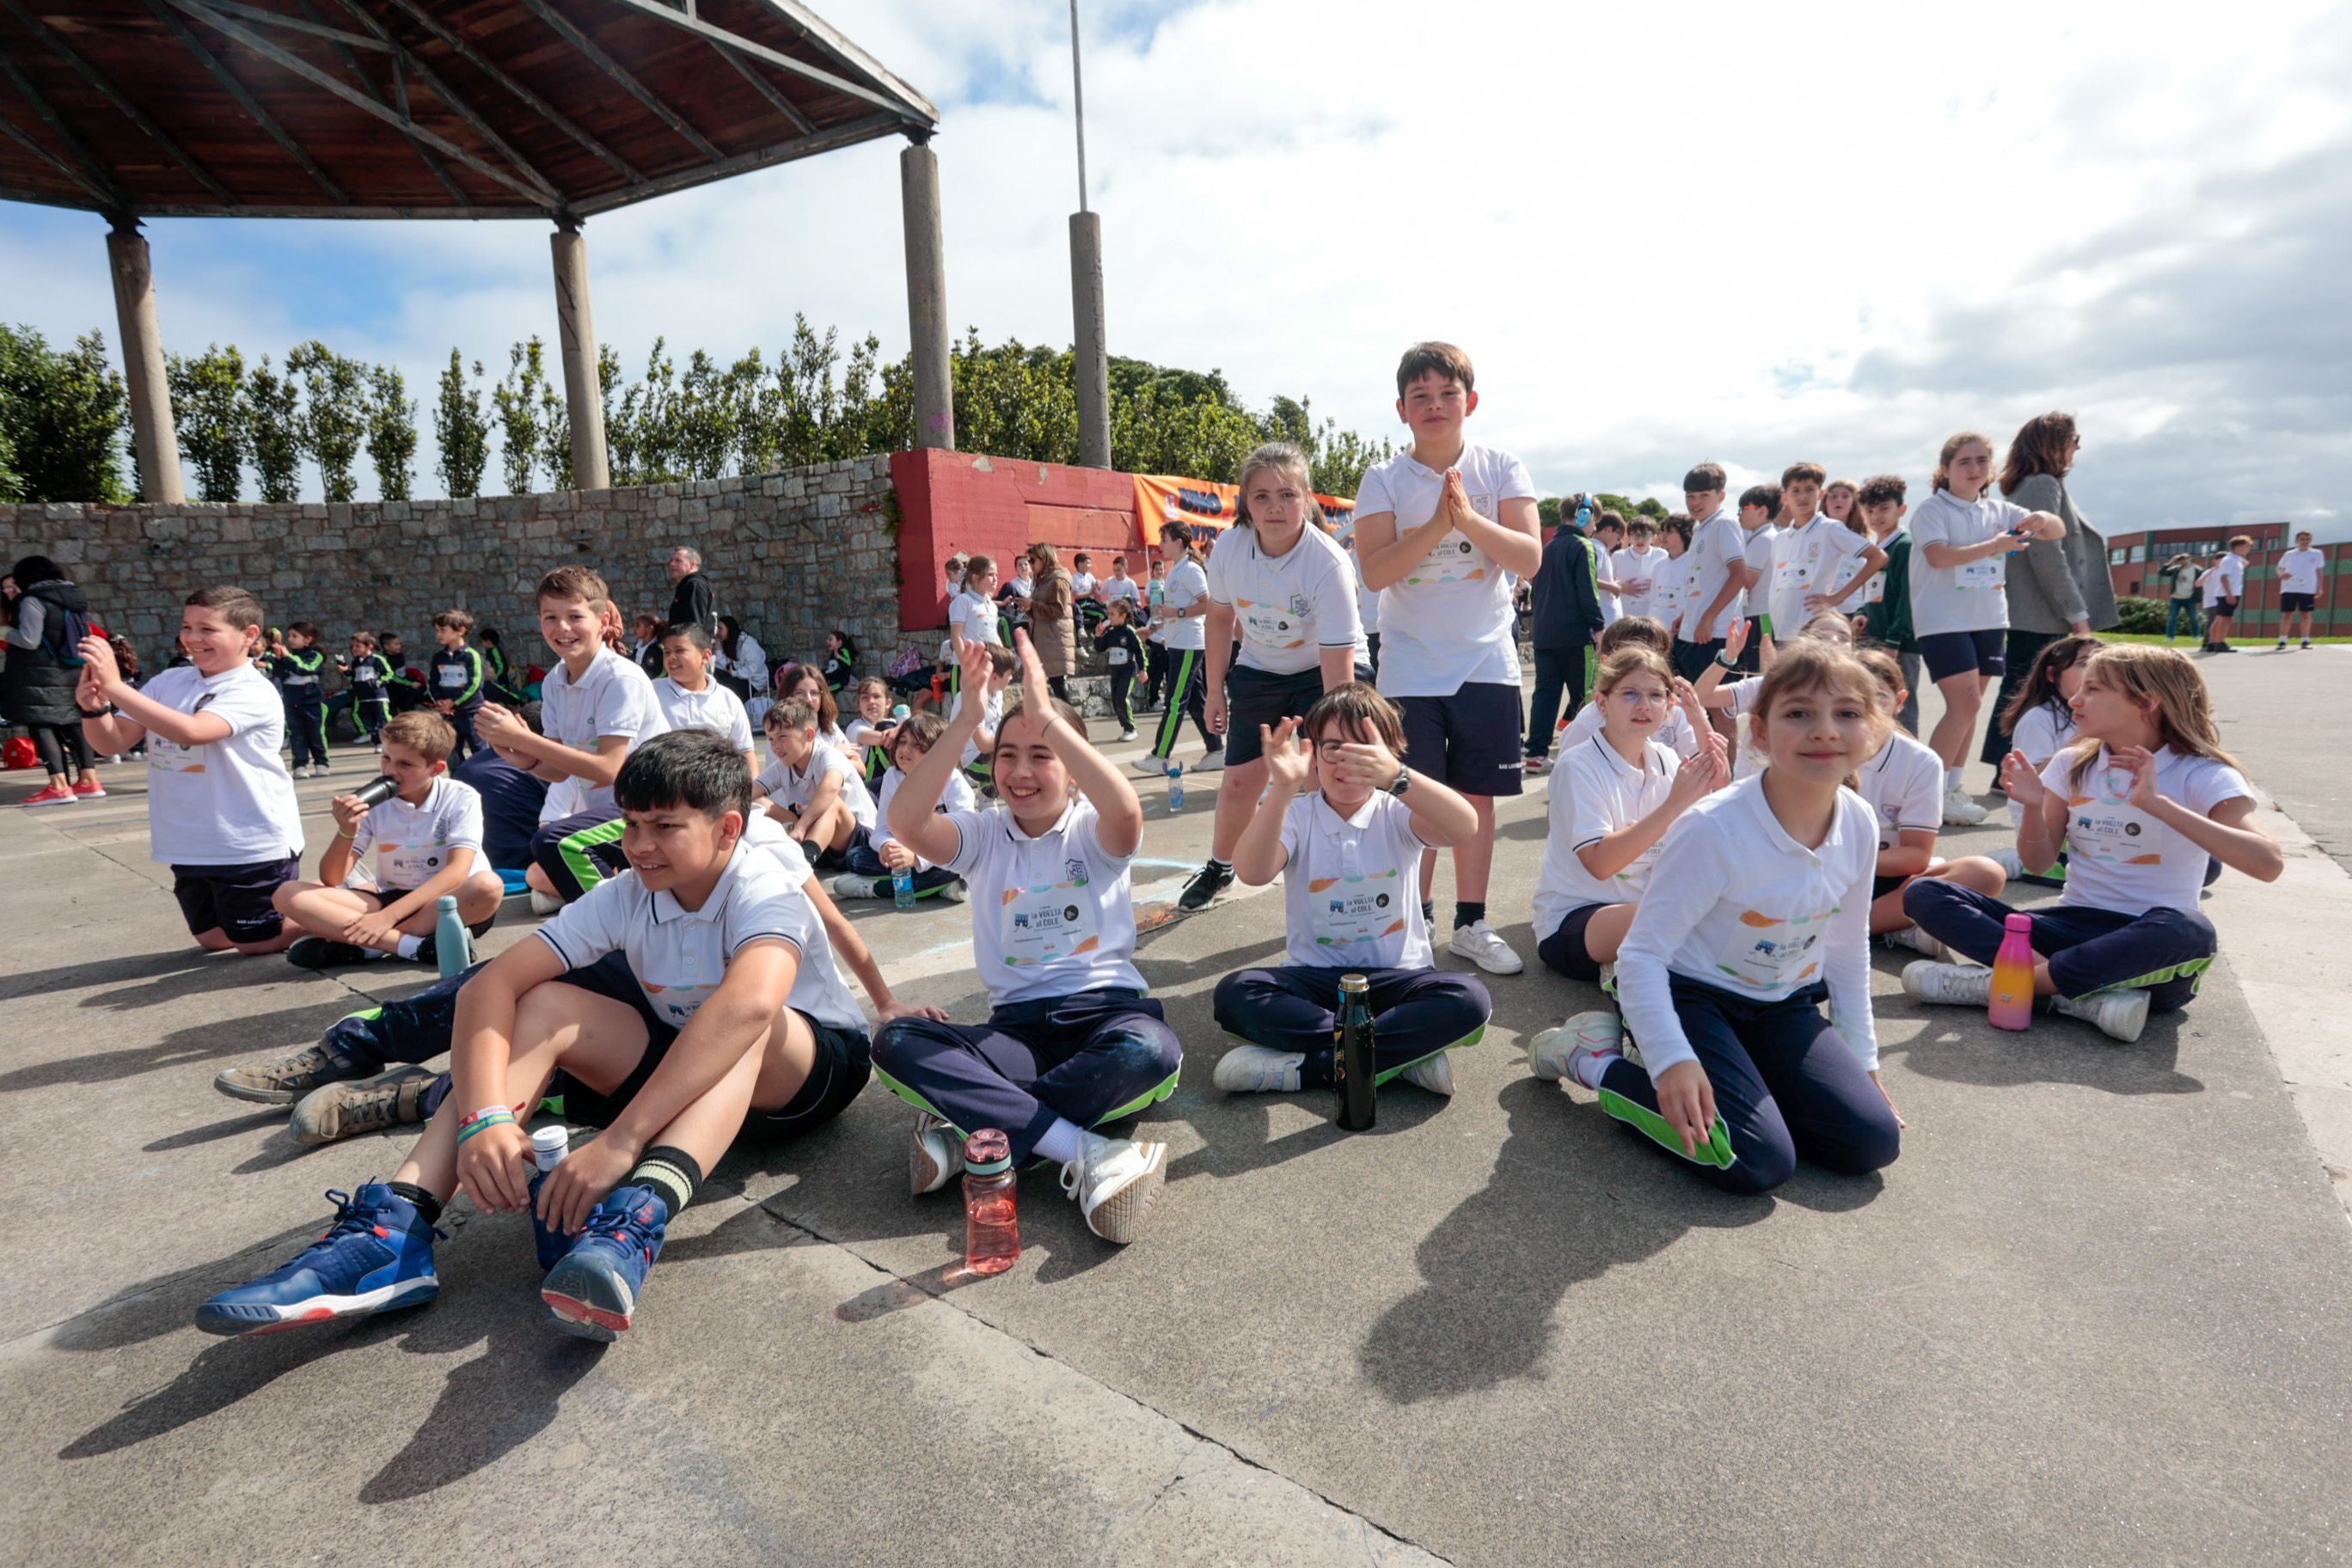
[(1211, 507)]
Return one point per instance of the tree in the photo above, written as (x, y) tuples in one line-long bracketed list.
[(334, 418), (63, 413), (517, 398), (208, 408), (273, 433), (459, 428), (391, 432)]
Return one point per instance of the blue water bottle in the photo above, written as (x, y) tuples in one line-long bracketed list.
[(1175, 786), (1584, 515), (451, 946), (902, 886)]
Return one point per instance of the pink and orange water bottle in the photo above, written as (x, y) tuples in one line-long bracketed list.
[(990, 1205), (2013, 976)]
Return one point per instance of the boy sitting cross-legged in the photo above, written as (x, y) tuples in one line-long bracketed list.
[(813, 788), (873, 866), (714, 1038), (1071, 1040), (1349, 855), (428, 840)]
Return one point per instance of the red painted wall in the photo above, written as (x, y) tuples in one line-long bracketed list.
[(951, 502)]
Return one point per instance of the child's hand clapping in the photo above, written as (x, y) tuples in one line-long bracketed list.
[(2024, 782)]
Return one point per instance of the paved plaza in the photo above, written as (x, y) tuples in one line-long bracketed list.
[(2099, 1312)]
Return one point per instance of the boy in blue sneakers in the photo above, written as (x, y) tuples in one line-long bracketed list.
[(714, 1038)]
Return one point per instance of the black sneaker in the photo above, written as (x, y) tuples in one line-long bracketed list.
[(1206, 884), (393, 1099), (318, 952)]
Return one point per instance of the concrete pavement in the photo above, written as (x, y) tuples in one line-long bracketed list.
[(2101, 1310)]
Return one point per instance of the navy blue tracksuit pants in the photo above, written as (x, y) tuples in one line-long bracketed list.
[(418, 1029), (579, 851), (1786, 1083), (1416, 1013), (1085, 1059), (2164, 952)]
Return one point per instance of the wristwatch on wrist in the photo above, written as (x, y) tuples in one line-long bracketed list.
[(1401, 783), (1726, 660), (106, 712)]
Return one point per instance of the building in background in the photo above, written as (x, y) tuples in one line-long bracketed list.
[(2134, 560)]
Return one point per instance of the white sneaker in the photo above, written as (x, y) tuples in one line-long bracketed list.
[(1436, 1075), (1127, 734), (1959, 811), (1552, 1055), (297, 773), (2012, 863), (2118, 1014), (1259, 1069), (934, 1154), (1150, 763), (853, 886), (1609, 979), (1484, 949), (955, 893), (1953, 985), (1918, 941), (1116, 1182), (545, 903), (1211, 761)]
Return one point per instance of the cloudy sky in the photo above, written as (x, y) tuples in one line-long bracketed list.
[(1835, 231)]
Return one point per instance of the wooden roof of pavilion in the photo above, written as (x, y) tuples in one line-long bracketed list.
[(420, 108)]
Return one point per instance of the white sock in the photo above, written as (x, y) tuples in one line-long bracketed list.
[(409, 944), (1952, 779), (1591, 1069), (1063, 1142)]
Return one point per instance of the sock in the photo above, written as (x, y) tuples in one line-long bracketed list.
[(1062, 1142), (669, 1171), (1224, 868), (428, 1207), (1468, 912), (1952, 779), (409, 944), (1429, 911), (1591, 1069)]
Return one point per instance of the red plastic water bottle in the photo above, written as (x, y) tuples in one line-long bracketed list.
[(2011, 1007), (992, 1210)]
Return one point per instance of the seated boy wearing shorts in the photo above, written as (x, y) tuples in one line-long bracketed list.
[(706, 1034), (428, 840)]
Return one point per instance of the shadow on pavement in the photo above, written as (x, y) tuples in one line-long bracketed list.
[(104, 971), (1956, 1049), (228, 1039)]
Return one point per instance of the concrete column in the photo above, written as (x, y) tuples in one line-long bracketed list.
[(575, 327), (154, 439), (1092, 360), (927, 297)]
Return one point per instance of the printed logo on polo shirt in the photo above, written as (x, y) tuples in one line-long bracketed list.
[(677, 1003), (1768, 951)]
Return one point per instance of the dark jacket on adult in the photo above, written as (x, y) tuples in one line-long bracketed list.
[(1567, 608), (694, 604), (39, 686)]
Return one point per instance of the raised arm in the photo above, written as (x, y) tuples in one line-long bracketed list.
[(914, 807)]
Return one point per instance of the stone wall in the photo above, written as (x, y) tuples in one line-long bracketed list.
[(791, 554)]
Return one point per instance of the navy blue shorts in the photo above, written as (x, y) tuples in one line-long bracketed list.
[(235, 900), (1564, 950), (1470, 742), (1948, 654), (1260, 697), (2290, 603)]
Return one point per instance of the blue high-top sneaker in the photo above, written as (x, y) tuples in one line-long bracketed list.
[(377, 1256), (593, 1290)]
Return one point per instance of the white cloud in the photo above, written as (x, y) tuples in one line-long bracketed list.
[(1837, 231)]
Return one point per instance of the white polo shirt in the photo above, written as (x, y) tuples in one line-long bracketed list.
[(1716, 545), (1351, 888), (613, 697), (1636, 572), (1676, 734), (2228, 580), (1594, 793), (1051, 916), (2299, 570), (412, 843), (1119, 588), (957, 797), (1447, 624), (1082, 585), (2119, 858), (1186, 586), (714, 707), (1815, 559), (1968, 597), (1904, 785), (1735, 904), (1666, 590), (1289, 607), (2039, 736), (229, 802), (974, 618), (1756, 549), (795, 787), (680, 956)]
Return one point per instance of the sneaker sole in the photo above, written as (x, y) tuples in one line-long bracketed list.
[(589, 1301), (1119, 1217), (924, 1173), (259, 1096), (1715, 1151), (233, 1320)]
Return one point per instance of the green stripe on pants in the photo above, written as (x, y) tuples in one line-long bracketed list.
[(575, 850), (1171, 717)]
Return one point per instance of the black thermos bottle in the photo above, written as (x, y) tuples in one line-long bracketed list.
[(1352, 1059)]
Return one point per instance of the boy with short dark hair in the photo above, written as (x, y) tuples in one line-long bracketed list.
[(407, 693), (1810, 554), (428, 840), (813, 788), (1714, 572), (691, 699), (704, 1033), (1441, 530), (1758, 505), (2301, 571), (874, 865), (299, 664), (1885, 615), (371, 676), (456, 676), (2225, 585), (220, 803)]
